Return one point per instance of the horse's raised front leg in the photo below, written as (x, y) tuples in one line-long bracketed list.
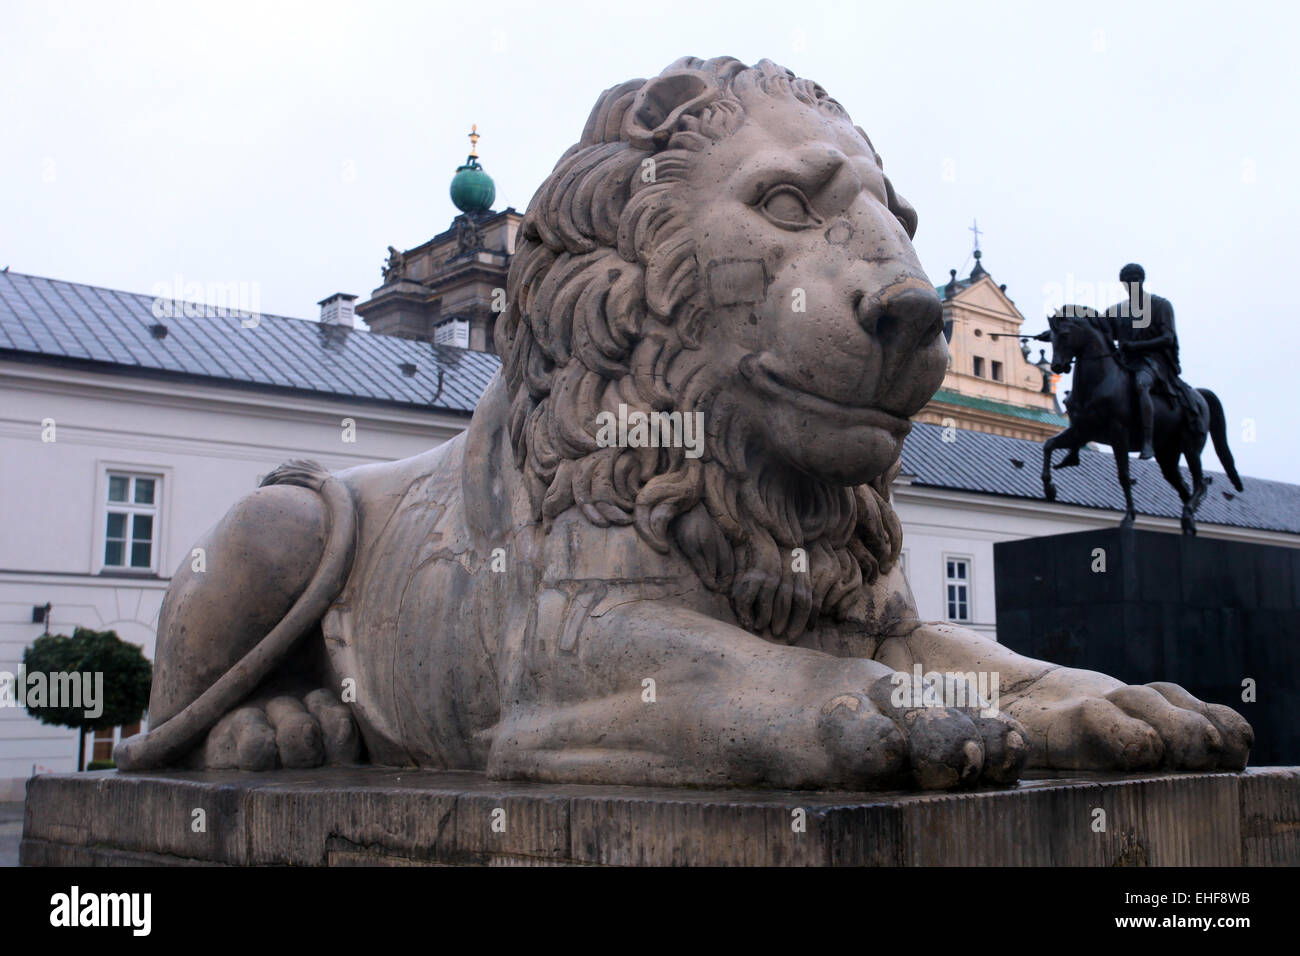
[(1069, 461), (1059, 440)]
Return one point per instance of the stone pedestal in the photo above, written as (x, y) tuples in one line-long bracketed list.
[(345, 817), (1199, 612)]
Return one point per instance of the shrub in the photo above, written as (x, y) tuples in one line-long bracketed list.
[(128, 676)]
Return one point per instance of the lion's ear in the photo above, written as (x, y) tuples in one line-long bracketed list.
[(652, 118), (902, 209)]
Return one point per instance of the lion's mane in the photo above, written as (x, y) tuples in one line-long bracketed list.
[(603, 299)]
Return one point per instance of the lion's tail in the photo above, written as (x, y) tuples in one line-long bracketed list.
[(169, 741), (1219, 435)]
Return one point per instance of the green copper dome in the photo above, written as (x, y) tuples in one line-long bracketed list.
[(472, 189)]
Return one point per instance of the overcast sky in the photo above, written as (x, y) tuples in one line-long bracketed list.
[(286, 145)]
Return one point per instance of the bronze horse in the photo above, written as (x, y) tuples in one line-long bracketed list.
[(1102, 408)]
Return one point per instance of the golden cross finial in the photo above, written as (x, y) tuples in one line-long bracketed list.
[(473, 141)]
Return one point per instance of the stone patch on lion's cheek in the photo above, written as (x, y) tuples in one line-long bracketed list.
[(840, 232), (736, 282)]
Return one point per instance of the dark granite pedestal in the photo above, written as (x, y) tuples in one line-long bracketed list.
[(1201, 612), (344, 817)]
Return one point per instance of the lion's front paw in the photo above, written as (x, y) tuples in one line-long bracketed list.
[(1129, 728), (882, 743), (282, 731)]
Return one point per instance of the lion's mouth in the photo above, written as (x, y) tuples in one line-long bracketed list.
[(774, 384)]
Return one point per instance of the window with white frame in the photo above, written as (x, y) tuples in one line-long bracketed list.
[(131, 522), (957, 588)]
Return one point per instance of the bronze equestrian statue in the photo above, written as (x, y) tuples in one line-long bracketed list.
[(1126, 393)]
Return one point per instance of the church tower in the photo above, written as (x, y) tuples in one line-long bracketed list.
[(450, 289), (993, 383)]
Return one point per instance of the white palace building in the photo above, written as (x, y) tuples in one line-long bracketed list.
[(125, 435)]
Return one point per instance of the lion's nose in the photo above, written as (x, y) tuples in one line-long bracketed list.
[(904, 320)]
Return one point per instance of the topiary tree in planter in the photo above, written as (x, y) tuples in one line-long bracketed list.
[(128, 675)]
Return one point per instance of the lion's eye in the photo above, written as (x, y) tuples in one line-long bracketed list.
[(788, 208)]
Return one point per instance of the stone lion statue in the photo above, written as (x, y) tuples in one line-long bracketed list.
[(720, 246)]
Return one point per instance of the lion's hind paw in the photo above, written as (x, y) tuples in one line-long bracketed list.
[(283, 731)]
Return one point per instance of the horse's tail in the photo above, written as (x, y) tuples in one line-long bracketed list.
[(1219, 434)]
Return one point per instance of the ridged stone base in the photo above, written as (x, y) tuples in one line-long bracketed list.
[(366, 816)]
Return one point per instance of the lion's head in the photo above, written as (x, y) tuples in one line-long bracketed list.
[(722, 239)]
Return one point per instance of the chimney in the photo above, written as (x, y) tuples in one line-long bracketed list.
[(452, 332), (337, 309)]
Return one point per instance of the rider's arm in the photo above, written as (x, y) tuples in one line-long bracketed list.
[(1166, 338), (1147, 345)]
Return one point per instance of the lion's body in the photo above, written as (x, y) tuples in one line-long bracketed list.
[(460, 601), (420, 634)]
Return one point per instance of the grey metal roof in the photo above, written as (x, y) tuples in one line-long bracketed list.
[(985, 464), (68, 322)]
